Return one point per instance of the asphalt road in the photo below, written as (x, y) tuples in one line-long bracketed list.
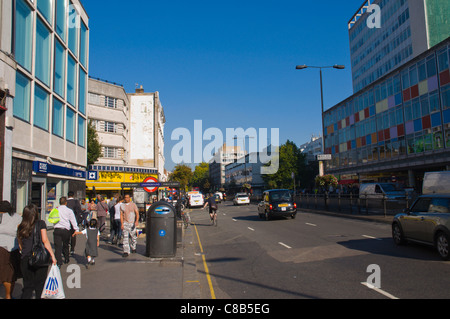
[(312, 256)]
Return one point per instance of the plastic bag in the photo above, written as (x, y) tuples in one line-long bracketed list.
[(53, 288)]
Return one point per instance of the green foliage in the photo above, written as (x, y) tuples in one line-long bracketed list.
[(183, 174), (94, 148)]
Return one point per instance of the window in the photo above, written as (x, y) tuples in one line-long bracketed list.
[(413, 76), (61, 19), (434, 101), (45, 7), (422, 205), (73, 34), (21, 108), (60, 67), (40, 107), (83, 44), (422, 71), (23, 34), (81, 131), (431, 66), (110, 152), (445, 97), (110, 127), (22, 196), (58, 118), (70, 125), (443, 60), (110, 102), (71, 80), (82, 92), (42, 52)]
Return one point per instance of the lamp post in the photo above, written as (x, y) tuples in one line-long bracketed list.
[(338, 67)]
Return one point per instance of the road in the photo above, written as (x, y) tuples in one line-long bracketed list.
[(310, 257)]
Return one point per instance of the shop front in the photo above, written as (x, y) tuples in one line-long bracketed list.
[(43, 185)]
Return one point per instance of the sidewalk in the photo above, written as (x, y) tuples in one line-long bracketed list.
[(134, 277)]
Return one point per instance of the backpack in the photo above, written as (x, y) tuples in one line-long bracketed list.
[(54, 216)]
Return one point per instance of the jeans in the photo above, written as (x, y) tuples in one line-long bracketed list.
[(116, 230), (62, 239)]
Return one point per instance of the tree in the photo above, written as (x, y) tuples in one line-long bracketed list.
[(94, 148), (183, 174), (200, 177)]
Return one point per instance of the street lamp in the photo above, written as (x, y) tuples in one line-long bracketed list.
[(338, 67)]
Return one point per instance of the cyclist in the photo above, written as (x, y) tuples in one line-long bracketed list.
[(211, 202)]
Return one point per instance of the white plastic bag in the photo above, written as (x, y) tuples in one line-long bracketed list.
[(53, 288)]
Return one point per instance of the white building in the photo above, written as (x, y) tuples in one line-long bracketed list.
[(224, 156), (312, 148)]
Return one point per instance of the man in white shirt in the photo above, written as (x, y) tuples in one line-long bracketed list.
[(62, 233)]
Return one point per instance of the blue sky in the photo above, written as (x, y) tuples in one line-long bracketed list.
[(228, 63)]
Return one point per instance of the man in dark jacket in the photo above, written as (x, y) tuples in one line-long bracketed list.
[(75, 206)]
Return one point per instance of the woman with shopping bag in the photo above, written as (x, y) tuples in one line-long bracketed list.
[(32, 233)]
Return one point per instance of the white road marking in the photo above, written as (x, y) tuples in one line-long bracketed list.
[(371, 237), (284, 245), (234, 220), (380, 291), (251, 229), (314, 225)]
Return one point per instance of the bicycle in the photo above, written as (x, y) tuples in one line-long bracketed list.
[(186, 219)]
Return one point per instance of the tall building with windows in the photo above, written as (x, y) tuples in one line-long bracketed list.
[(407, 29), (50, 43), (130, 128), (396, 128), (224, 156)]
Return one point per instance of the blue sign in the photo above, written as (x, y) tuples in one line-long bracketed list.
[(162, 233), (162, 210), (45, 168), (92, 176)]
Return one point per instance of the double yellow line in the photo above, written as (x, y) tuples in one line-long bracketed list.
[(208, 277)]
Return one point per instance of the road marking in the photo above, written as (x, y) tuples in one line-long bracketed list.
[(251, 229), (380, 291), (371, 237), (208, 277), (314, 225), (234, 220), (284, 245)]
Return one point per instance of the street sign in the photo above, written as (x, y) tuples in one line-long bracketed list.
[(130, 185), (324, 157), (152, 184)]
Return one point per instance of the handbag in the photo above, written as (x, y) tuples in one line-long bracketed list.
[(40, 257)]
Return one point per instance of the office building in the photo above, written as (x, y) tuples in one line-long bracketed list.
[(249, 172), (396, 128), (407, 29), (225, 155), (50, 43)]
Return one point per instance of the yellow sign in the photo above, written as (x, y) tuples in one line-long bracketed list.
[(113, 180)]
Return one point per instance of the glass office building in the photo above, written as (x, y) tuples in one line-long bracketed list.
[(49, 144), (407, 29), (398, 127)]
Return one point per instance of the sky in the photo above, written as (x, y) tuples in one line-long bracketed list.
[(230, 63)]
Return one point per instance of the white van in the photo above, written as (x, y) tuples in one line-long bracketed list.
[(196, 200), (379, 190)]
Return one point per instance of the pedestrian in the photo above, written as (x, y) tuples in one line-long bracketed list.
[(75, 206), (92, 242), (85, 212), (9, 248), (116, 225), (102, 212), (33, 277), (129, 219), (62, 232), (92, 209), (111, 210)]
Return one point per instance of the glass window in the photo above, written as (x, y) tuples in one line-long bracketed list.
[(443, 60), (60, 67), (81, 131), (61, 19), (45, 7), (21, 108), (397, 84), (434, 101), (424, 105), (71, 80), (422, 71), (445, 97), (83, 44), (413, 76), (40, 107), (58, 118), (408, 112), (416, 109), (42, 52), (70, 125), (431, 66), (23, 31), (82, 92), (405, 79), (73, 34)]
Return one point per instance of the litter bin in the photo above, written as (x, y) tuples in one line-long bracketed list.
[(161, 230)]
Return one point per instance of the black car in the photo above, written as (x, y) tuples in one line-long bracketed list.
[(277, 203)]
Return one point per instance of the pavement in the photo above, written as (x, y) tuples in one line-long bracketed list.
[(141, 277)]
